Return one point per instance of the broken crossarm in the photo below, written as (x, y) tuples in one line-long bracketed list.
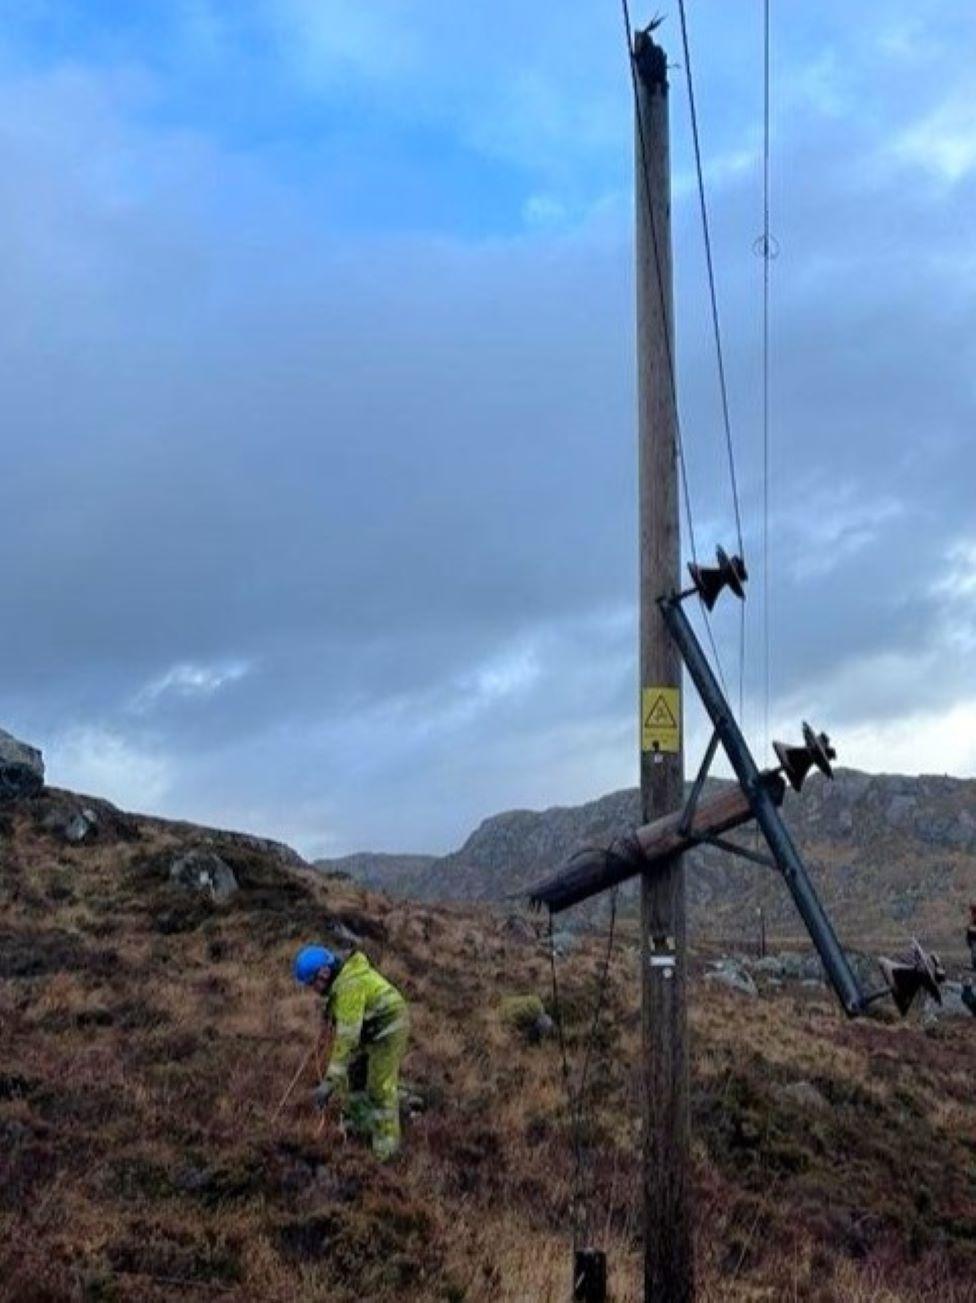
[(759, 796), (596, 869)]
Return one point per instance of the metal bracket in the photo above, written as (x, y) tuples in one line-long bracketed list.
[(684, 827), (742, 852)]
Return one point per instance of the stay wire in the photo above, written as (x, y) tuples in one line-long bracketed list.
[(666, 319), (576, 1105)]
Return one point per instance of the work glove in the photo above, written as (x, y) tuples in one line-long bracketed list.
[(322, 1094)]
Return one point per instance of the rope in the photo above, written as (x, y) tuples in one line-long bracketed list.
[(575, 1107)]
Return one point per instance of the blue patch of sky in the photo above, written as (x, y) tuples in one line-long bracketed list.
[(357, 168)]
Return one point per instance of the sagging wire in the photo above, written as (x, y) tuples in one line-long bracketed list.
[(717, 333)]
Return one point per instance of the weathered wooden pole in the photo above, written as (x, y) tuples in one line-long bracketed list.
[(668, 1258)]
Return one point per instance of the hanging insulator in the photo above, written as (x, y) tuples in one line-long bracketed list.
[(796, 762), (728, 572), (923, 971)]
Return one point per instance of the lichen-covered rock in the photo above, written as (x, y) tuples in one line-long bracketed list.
[(21, 767), (730, 973), (526, 1014), (203, 871), (72, 824)]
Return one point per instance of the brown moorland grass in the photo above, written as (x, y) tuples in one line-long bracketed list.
[(146, 1037)]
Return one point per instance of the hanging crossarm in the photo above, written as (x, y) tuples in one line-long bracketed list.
[(595, 869), (758, 796)]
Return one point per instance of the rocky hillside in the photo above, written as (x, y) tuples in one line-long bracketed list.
[(149, 1028), (891, 855), (383, 871)]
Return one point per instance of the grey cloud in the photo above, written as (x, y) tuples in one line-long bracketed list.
[(369, 469)]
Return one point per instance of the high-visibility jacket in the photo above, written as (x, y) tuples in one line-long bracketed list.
[(364, 1007)]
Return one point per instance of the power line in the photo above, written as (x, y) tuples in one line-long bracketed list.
[(767, 253), (706, 234), (717, 332)]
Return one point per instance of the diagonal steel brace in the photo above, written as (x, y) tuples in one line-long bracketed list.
[(767, 816)]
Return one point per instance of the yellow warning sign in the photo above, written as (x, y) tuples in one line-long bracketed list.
[(660, 719)]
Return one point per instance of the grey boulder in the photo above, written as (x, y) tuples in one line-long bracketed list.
[(805, 1094), (203, 871), (73, 825), (728, 972), (21, 767), (958, 1001)]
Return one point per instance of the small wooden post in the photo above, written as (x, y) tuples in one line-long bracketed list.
[(589, 1276), (668, 1260)]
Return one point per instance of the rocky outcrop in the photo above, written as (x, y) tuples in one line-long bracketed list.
[(282, 854), (73, 824), (21, 767), (402, 875)]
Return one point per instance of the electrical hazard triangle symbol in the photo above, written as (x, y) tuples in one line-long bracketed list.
[(660, 719), (659, 715)]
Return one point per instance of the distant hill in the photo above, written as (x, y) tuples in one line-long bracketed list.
[(385, 872), (891, 855)]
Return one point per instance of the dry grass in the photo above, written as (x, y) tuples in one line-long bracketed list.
[(146, 1038)]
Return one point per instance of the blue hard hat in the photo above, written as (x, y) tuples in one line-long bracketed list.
[(310, 961)]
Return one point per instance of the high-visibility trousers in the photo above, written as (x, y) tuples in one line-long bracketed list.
[(375, 1111)]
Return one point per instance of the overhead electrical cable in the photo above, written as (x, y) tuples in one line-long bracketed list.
[(767, 254), (716, 331), (706, 235)]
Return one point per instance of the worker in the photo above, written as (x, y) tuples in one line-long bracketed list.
[(370, 1015)]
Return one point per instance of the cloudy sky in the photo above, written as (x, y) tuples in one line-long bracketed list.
[(317, 364)]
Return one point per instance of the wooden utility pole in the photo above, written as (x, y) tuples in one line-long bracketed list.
[(668, 1263)]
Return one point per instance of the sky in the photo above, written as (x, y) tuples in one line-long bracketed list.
[(317, 365)]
